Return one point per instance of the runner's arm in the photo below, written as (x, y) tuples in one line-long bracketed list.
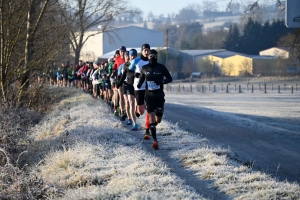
[(141, 80), (168, 76)]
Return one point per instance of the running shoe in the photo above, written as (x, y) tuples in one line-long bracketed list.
[(135, 127), (116, 113), (147, 136), (123, 117), (129, 122), (147, 132), (155, 145), (137, 114)]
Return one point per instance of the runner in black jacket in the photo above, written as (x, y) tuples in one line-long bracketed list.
[(128, 76), (155, 75)]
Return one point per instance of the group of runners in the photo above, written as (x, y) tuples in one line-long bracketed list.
[(129, 83)]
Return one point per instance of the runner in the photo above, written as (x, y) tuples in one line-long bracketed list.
[(155, 75), (77, 74), (136, 67), (82, 72), (59, 75), (119, 60), (95, 81), (71, 76), (113, 75), (53, 74), (129, 89), (122, 87), (65, 74), (106, 77), (88, 80), (101, 81)]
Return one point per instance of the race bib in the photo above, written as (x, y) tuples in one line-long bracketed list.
[(152, 85)]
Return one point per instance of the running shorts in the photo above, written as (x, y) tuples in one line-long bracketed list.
[(155, 104), (140, 97)]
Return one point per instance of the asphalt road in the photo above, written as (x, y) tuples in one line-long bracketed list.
[(273, 150)]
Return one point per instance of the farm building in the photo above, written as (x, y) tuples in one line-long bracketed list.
[(130, 36), (275, 51), (223, 62)]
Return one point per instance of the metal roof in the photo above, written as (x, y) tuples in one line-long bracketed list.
[(202, 52), (138, 49)]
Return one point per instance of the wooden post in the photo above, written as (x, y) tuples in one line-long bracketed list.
[(292, 89), (191, 88), (296, 87), (278, 88), (227, 88), (183, 89), (214, 88), (265, 88), (222, 87), (258, 87), (179, 88), (247, 87), (272, 87), (240, 89), (234, 87), (252, 89)]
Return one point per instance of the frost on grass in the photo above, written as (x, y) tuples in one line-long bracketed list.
[(87, 155), (111, 171), (212, 162)]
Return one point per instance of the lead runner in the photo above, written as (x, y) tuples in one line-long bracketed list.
[(156, 75)]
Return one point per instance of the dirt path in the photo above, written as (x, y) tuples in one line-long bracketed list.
[(273, 150)]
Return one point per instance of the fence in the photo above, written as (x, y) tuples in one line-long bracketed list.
[(227, 88)]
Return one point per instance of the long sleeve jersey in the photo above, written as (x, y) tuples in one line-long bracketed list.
[(155, 76), (136, 67), (127, 75)]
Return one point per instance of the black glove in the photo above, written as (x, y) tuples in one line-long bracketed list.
[(139, 86), (137, 75)]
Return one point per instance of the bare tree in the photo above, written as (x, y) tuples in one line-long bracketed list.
[(187, 68), (246, 68), (227, 69), (206, 67), (29, 33), (209, 6), (81, 16)]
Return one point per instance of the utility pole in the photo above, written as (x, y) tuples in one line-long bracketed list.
[(167, 43)]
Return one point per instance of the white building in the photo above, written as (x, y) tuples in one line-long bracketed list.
[(130, 36), (275, 51)]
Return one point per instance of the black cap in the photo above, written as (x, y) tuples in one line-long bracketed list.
[(153, 51), (122, 48), (145, 46), (117, 52)]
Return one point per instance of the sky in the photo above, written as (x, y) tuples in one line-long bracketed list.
[(165, 7)]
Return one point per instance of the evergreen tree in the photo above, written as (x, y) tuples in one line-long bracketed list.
[(232, 39), (250, 40)]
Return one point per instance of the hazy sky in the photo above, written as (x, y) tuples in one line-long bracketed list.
[(159, 7)]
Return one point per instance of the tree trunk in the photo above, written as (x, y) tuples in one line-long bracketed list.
[(2, 63), (32, 25), (77, 55)]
